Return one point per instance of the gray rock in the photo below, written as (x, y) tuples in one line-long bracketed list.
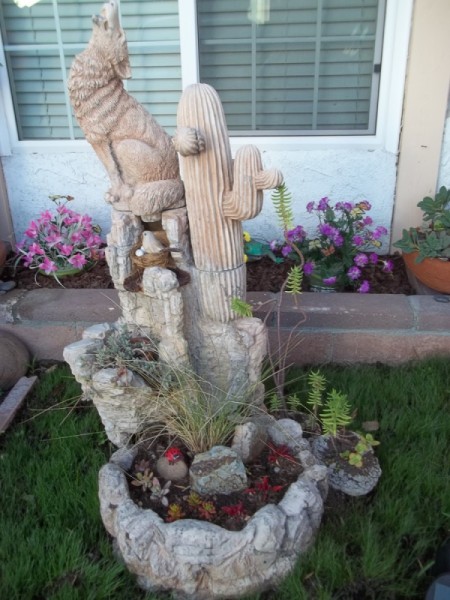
[(14, 359), (287, 432), (249, 440), (351, 480), (218, 471)]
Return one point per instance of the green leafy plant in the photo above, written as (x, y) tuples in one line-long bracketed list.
[(364, 444), (143, 479), (282, 202), (159, 492), (432, 239), (335, 254), (294, 281), (241, 308), (174, 513), (335, 413), (317, 385)]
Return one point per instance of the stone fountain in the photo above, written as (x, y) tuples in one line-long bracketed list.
[(190, 229)]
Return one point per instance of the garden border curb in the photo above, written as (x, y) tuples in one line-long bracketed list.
[(339, 328)]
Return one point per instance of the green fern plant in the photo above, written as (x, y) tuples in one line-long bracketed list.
[(294, 281), (282, 201), (274, 403), (241, 308), (317, 384), (335, 413)]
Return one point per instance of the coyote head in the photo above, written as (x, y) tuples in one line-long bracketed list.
[(109, 38)]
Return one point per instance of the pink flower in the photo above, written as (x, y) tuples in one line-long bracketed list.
[(35, 249), (32, 230), (76, 237), (53, 238), (48, 266), (373, 258), (357, 240), (310, 207), (45, 217), (78, 261), (66, 249)]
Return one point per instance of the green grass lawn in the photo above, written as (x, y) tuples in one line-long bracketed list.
[(53, 545)]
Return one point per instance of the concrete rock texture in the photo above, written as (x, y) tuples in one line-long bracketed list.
[(14, 359), (197, 560)]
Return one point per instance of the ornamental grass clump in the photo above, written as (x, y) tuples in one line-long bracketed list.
[(60, 240), (341, 246)]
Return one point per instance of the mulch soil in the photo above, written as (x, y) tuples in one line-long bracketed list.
[(262, 275), (268, 478)]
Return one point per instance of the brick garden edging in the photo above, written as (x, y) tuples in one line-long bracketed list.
[(339, 328)]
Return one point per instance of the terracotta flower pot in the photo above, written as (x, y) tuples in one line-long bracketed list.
[(433, 272)]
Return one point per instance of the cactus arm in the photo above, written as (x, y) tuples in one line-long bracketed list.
[(245, 201)]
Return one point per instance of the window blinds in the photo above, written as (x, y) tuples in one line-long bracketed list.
[(40, 43), (285, 66)]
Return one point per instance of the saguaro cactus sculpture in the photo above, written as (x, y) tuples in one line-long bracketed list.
[(219, 196)]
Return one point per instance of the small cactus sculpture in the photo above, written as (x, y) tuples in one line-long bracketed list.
[(219, 195)]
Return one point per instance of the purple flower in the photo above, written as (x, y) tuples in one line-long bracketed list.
[(330, 280), (338, 240), (308, 267), (388, 266), (373, 258), (310, 207), (367, 220), (361, 260), (364, 287), (297, 234), (379, 231), (354, 273), (364, 205), (273, 245), (323, 204), (78, 261), (327, 229), (357, 240), (286, 250)]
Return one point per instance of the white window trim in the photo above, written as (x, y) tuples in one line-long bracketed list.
[(390, 101)]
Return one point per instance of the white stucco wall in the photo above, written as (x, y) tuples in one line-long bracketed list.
[(341, 174), (444, 169), (31, 178)]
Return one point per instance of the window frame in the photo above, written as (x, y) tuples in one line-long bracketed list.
[(398, 19)]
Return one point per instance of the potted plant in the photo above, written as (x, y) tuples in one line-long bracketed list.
[(335, 255), (61, 243), (426, 249)]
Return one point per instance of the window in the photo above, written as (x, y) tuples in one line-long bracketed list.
[(41, 40), (287, 67)]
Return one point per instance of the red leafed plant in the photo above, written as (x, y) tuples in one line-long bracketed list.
[(263, 488), (277, 452), (235, 510)]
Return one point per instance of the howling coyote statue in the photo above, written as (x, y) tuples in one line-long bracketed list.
[(137, 153)]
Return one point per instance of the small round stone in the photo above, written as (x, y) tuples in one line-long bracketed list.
[(14, 359)]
